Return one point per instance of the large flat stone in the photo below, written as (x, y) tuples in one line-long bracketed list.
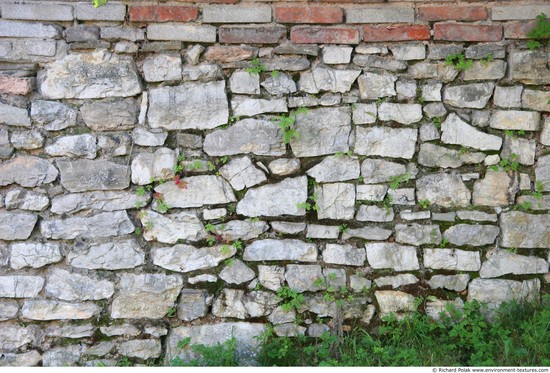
[(34, 255), (386, 142), (501, 262), (56, 310), (109, 256), (64, 285), (382, 255), (105, 224), (458, 132), (170, 228), (20, 286), (27, 171), (445, 190), (335, 201), (97, 200), (16, 225), (186, 258), (529, 66), (452, 259), (471, 235), (475, 95), (289, 249), (493, 292), (432, 155), (83, 175), (515, 120), (519, 229), (200, 190), (122, 114)]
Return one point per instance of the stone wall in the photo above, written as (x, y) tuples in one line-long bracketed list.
[(166, 169)]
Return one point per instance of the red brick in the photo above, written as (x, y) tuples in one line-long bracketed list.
[(308, 14), (154, 13), (467, 32), (319, 34), (251, 34), (452, 12), (518, 29), (396, 32), (15, 86)]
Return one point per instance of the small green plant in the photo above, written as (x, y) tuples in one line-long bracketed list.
[(349, 153), (437, 122), (311, 205), (459, 62), (510, 164), (514, 134), (162, 207), (225, 250), (291, 298), (275, 73), (256, 67), (424, 203), (485, 61), (238, 245), (124, 362), (525, 206), (540, 32), (286, 124), (395, 181), (98, 3), (219, 355), (140, 191), (387, 202), (444, 242), (343, 228), (171, 312), (539, 188), (361, 179), (138, 231)]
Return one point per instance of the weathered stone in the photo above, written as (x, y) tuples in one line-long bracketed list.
[(373, 86), (284, 166), (519, 229), (386, 141), (188, 106), (260, 303), (432, 155), (276, 199), (105, 224), (400, 113), (90, 75), (371, 49), (322, 78), (99, 349), (482, 70), (121, 114), (406, 89), (145, 295), (322, 131), (452, 282), (364, 113), (410, 215), (230, 303), (437, 307), (271, 277), (6, 149), (244, 333), (427, 70), (535, 203), (497, 188), (304, 277), (515, 120), (371, 192), (344, 254), (143, 137), (288, 227), (495, 291), (408, 52), (445, 190), (162, 67), (127, 330), (229, 53), (476, 216), (359, 283), (417, 234), (452, 259), (523, 150), (333, 55), (193, 304), (245, 106), (335, 201), (260, 137), (279, 85), (70, 331), (501, 262), (289, 249), (27, 140), (241, 229), (25, 359), (458, 132), (245, 82), (34, 255), (379, 62), (508, 97), (236, 272), (432, 92), (281, 316), (199, 191), (394, 302), (322, 231), (115, 144), (186, 258), (158, 165), (379, 171), (374, 213), (435, 109), (20, 286), (26, 200), (475, 95), (368, 233), (529, 66), (27, 171), (542, 172), (141, 348), (396, 281), (202, 73), (69, 286), (83, 175), (14, 116), (62, 356), (8, 310), (55, 310), (535, 100), (110, 256), (241, 173), (391, 255), (16, 225), (471, 235), (170, 228), (335, 168), (73, 146), (98, 200)]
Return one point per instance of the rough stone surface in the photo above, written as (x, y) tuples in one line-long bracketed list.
[(431, 155), (97, 200), (16, 225), (110, 256), (122, 114), (157, 165), (519, 229), (451, 282), (497, 188), (417, 234), (495, 291), (501, 262), (73, 146), (186, 258), (446, 190), (55, 310), (25, 200), (391, 255), (475, 95), (396, 302), (373, 86), (172, 227), (141, 348), (374, 213), (34, 255), (27, 171), (452, 259), (105, 224), (105, 175), (471, 235), (515, 120), (335, 201), (386, 142), (335, 168), (199, 191), (400, 113), (378, 171), (396, 281), (241, 173), (344, 255), (303, 278), (237, 272), (458, 132), (289, 249)]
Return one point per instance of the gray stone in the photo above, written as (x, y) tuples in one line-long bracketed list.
[(271, 277), (515, 120), (145, 295), (55, 310), (452, 282), (83, 175), (69, 286), (458, 132), (280, 316), (371, 49), (495, 189), (428, 70), (162, 67), (519, 230), (81, 33), (404, 196), (16, 225), (335, 201), (364, 113), (276, 199), (435, 109), (344, 255), (93, 75), (284, 166), (400, 113), (149, 166), (109, 256), (432, 92), (535, 100), (374, 193), (6, 149), (386, 141), (289, 330), (25, 359), (279, 85), (288, 227), (441, 51), (335, 168), (367, 233), (374, 213), (13, 336), (542, 172), (122, 115), (70, 331), (170, 228), (322, 78), (260, 137), (73, 146), (417, 234), (359, 283), (471, 235), (202, 72), (333, 55), (508, 97), (476, 216), (545, 133), (378, 62), (199, 191), (193, 304), (127, 330), (373, 86), (410, 215), (474, 95), (523, 150), (99, 349), (322, 231), (432, 155), (105, 224), (435, 308), (406, 89), (495, 291), (186, 258), (394, 302), (322, 131), (62, 356), (241, 173), (230, 303), (288, 249), (188, 106), (379, 171), (114, 144), (141, 348), (446, 190), (260, 303), (245, 106), (245, 83), (34, 255), (143, 137), (396, 281), (535, 203), (98, 201), (408, 52), (452, 259), (529, 66), (236, 272), (26, 200), (122, 32), (303, 278), (241, 229), (27, 171), (384, 255), (501, 262), (245, 334), (482, 70), (28, 140), (8, 310), (20, 286)]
